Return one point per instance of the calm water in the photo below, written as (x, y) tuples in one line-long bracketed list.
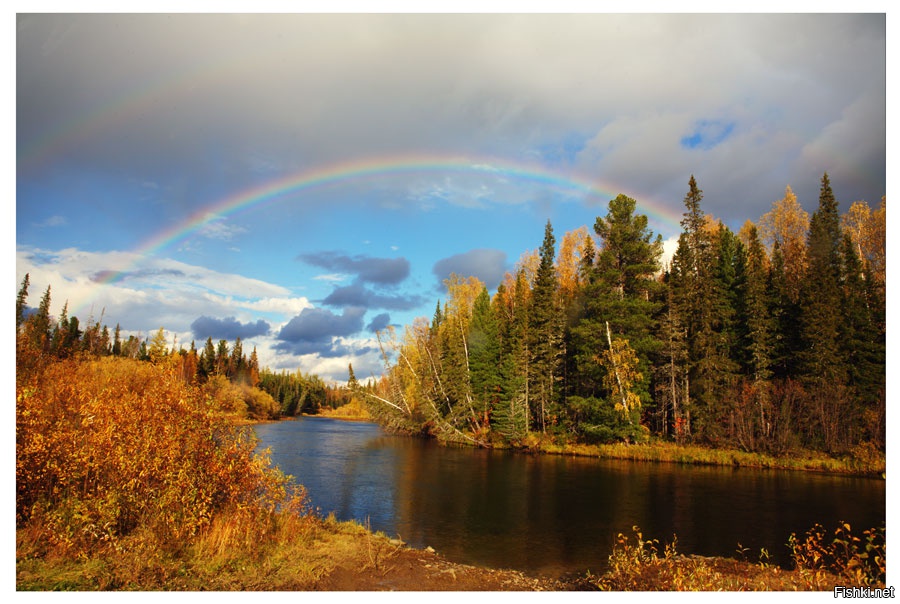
[(554, 515)]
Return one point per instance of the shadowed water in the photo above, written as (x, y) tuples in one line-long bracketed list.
[(550, 514)]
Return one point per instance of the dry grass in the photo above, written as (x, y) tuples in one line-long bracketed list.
[(820, 564), (863, 460)]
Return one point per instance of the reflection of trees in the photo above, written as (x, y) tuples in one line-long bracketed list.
[(561, 514)]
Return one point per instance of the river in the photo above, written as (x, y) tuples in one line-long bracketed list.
[(555, 515)]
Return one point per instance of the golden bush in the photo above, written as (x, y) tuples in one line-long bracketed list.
[(108, 446)]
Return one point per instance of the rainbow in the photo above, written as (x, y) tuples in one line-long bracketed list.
[(662, 218)]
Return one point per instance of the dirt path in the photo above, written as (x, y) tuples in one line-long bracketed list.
[(418, 570)]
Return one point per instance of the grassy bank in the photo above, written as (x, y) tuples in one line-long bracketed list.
[(863, 461), (127, 478), (290, 552)]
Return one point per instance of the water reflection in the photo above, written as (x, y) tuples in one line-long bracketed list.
[(554, 514)]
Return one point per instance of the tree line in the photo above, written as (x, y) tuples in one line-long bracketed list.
[(769, 339), (216, 366)]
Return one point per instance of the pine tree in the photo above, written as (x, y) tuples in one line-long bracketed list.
[(544, 335)]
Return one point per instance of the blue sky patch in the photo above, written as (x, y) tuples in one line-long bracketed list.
[(707, 134)]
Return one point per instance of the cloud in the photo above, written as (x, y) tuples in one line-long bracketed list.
[(140, 274), (489, 265), (382, 271), (143, 293), (378, 322), (54, 221), (228, 328), (359, 295), (316, 331), (707, 134), (506, 86), (219, 229), (276, 305)]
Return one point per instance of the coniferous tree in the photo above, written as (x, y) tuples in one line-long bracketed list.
[(39, 324), (821, 294), (237, 362), (252, 367), (59, 342), (692, 280), (21, 302), (862, 346), (830, 411), (757, 328), (208, 360), (352, 383), (785, 313), (484, 357), (544, 335), (672, 381), (511, 417), (117, 341), (622, 293), (222, 358)]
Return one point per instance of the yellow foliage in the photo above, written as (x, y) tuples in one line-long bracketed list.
[(110, 446)]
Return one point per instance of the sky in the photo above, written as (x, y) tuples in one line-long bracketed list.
[(303, 181)]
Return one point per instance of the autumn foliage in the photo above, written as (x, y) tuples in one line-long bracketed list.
[(113, 450)]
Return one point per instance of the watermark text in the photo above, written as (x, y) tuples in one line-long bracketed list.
[(863, 592)]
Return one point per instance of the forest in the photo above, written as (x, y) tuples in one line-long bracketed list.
[(771, 339), (134, 471), (224, 373)]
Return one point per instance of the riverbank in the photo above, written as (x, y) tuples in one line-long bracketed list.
[(863, 461), (314, 554)]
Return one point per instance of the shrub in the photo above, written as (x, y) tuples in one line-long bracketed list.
[(113, 447), (857, 561)]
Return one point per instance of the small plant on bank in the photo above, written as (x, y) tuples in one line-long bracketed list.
[(857, 561)]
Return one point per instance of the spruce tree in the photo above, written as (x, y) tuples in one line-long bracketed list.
[(39, 324), (693, 295), (484, 356), (862, 346), (820, 310), (21, 302), (544, 335)]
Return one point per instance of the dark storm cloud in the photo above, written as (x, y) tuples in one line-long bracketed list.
[(315, 331), (228, 328), (487, 264), (359, 295), (799, 94), (378, 322), (381, 271)]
